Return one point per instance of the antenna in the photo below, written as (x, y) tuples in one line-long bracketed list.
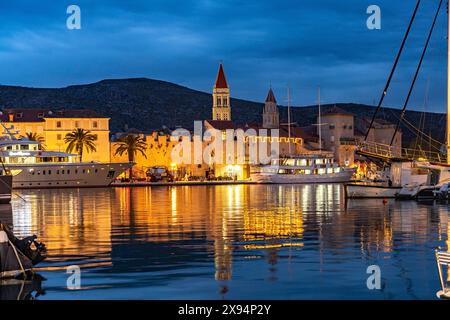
[(289, 118)]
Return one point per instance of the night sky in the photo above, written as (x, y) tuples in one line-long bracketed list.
[(300, 43)]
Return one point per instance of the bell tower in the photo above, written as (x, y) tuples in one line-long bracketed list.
[(221, 98), (271, 116)]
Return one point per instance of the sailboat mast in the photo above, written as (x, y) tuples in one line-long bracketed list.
[(289, 119), (448, 85), (319, 119)]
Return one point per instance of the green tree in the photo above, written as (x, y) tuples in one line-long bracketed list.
[(131, 144), (80, 139), (33, 136)]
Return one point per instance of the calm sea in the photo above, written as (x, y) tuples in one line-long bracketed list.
[(230, 242)]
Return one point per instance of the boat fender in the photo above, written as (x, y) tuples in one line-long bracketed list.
[(3, 237)]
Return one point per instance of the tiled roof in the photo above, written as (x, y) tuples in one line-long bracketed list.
[(38, 115), (271, 96), (306, 133), (23, 115), (74, 113), (221, 81)]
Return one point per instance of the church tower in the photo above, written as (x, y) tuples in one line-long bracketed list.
[(271, 117), (221, 97)]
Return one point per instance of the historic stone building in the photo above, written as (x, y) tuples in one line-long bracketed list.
[(271, 115), (221, 97), (53, 125)]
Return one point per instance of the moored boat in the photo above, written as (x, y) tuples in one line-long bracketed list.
[(370, 190), (308, 168), (438, 176), (6, 181), (401, 174), (19, 256), (33, 167)]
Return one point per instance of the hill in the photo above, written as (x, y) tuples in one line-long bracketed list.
[(148, 104)]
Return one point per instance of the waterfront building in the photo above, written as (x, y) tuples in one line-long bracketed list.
[(53, 125), (341, 132), (158, 153), (338, 129), (338, 137)]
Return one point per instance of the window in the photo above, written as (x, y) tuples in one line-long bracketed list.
[(19, 115), (77, 124), (58, 137), (332, 126), (94, 124), (224, 101), (58, 124), (219, 102)]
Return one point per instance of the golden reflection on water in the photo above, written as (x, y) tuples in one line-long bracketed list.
[(84, 225)]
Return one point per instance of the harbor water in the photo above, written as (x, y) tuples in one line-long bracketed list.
[(231, 242)]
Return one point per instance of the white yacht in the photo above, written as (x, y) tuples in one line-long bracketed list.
[(308, 168), (401, 174), (32, 167)]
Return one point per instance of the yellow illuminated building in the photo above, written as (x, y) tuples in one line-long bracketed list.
[(53, 126)]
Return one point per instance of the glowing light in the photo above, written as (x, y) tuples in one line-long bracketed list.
[(19, 153)]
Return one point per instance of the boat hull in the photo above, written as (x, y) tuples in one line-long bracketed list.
[(6, 182), (370, 191), (340, 177), (67, 175)]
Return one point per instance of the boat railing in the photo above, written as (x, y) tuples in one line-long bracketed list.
[(389, 152), (418, 154), (442, 260), (378, 149)]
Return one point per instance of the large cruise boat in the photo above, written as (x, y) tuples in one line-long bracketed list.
[(32, 167), (308, 168)]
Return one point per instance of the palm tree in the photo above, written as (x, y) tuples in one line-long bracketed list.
[(131, 144), (80, 139), (33, 136)]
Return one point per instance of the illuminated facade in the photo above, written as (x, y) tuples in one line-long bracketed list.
[(53, 126)]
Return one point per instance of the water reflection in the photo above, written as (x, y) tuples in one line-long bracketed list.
[(242, 241)]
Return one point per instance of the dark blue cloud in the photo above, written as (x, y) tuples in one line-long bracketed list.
[(300, 43)]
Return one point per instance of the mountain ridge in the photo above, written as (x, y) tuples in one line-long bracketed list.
[(149, 104)]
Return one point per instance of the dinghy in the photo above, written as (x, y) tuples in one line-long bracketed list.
[(18, 256)]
